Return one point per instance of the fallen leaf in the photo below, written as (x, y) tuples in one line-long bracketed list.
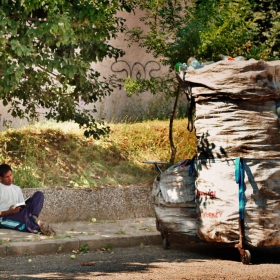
[(88, 263), (144, 228), (142, 245)]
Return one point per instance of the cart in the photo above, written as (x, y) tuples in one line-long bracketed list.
[(187, 202)]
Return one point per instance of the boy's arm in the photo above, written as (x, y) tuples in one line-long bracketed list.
[(10, 211)]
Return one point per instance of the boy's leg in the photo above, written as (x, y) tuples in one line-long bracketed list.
[(24, 220), (35, 203)]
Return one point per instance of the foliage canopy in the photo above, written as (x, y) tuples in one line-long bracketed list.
[(207, 28), (46, 54), (204, 29)]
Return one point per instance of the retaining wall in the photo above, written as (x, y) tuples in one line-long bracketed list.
[(101, 203)]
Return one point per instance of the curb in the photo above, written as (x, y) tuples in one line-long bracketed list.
[(67, 245)]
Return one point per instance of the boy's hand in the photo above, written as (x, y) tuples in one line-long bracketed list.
[(14, 210)]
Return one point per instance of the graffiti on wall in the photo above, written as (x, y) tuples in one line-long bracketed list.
[(123, 69), (4, 122), (120, 69)]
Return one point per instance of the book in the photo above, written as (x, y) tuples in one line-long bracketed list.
[(21, 204)]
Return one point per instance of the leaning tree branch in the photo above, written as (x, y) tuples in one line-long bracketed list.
[(172, 116)]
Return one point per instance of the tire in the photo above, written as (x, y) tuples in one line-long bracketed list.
[(246, 258), (165, 243)]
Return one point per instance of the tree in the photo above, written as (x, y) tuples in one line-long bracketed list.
[(248, 28), (46, 52), (204, 29), (207, 28), (164, 19)]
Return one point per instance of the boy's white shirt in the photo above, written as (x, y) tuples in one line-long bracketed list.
[(10, 195)]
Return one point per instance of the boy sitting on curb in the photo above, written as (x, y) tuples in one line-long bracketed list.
[(20, 218)]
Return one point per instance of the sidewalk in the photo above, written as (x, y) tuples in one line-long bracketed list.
[(73, 235)]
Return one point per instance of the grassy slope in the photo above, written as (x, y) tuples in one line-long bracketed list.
[(51, 155)]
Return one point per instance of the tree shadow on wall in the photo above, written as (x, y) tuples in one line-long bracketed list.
[(207, 150)]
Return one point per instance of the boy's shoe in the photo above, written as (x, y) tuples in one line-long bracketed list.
[(46, 229)]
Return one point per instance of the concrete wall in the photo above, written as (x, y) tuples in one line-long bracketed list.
[(101, 203)]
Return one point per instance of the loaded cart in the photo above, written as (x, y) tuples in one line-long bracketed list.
[(238, 210), (230, 191)]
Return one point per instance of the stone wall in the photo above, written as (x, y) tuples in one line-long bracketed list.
[(101, 203)]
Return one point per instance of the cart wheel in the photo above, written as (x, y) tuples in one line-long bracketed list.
[(246, 257), (165, 243)]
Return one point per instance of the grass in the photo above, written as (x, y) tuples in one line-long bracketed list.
[(58, 155)]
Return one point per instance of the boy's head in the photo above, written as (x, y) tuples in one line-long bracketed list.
[(6, 175)]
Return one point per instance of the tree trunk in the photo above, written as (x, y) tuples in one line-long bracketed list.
[(172, 116)]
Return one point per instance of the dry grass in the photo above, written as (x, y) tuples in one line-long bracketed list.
[(50, 154)]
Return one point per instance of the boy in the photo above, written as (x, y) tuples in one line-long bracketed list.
[(20, 218)]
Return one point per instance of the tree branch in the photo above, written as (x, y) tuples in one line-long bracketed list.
[(172, 116), (76, 24)]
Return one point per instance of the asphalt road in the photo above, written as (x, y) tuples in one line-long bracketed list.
[(193, 261)]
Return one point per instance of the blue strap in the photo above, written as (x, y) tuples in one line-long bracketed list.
[(239, 178), (7, 223), (191, 170)]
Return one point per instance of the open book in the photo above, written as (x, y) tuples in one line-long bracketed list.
[(21, 204)]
